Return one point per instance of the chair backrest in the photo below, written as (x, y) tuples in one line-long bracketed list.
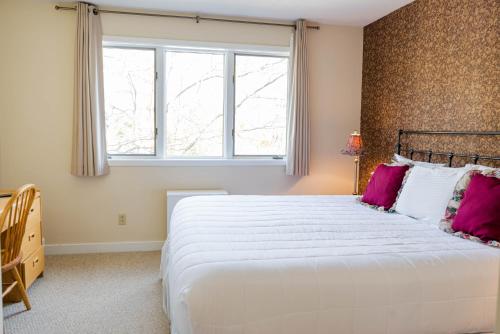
[(13, 221)]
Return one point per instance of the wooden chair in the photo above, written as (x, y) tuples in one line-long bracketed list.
[(13, 221)]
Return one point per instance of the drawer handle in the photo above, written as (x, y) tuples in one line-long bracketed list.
[(35, 261), (31, 236), (32, 210)]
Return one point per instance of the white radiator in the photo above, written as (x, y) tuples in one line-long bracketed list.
[(174, 196)]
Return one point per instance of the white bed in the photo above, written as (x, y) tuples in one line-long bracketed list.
[(320, 264)]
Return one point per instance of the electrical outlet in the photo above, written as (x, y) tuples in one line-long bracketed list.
[(122, 219)]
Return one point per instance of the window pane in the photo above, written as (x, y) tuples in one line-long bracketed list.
[(261, 87), (194, 104), (129, 89)]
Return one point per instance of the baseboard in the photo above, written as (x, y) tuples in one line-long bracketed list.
[(103, 247)]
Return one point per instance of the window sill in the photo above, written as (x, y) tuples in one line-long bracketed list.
[(194, 162)]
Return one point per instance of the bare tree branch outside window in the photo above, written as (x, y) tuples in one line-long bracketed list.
[(194, 92), (194, 103), (260, 107), (129, 76)]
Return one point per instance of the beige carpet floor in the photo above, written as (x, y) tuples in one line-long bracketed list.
[(93, 293)]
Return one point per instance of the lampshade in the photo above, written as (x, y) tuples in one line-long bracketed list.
[(354, 145)]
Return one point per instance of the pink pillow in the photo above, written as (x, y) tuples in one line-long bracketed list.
[(479, 211), (384, 185)]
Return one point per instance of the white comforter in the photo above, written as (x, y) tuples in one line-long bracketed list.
[(320, 264)]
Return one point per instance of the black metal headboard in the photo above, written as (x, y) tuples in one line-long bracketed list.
[(450, 155)]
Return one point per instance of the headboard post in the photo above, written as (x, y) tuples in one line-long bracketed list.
[(429, 156), (450, 158), (398, 145)]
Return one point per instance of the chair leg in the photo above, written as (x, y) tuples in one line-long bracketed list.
[(20, 287)]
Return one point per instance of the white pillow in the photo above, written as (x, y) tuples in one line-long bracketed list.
[(426, 192), (479, 167), (402, 160)]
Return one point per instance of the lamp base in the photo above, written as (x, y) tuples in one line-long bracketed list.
[(356, 176)]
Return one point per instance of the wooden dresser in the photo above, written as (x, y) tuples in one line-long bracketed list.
[(33, 262)]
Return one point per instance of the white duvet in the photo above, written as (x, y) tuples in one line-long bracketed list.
[(320, 264)]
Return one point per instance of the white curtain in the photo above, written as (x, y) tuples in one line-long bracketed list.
[(89, 139), (298, 117)]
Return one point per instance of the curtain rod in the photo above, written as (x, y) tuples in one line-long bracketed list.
[(190, 17)]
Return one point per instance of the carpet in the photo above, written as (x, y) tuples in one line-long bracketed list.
[(93, 293)]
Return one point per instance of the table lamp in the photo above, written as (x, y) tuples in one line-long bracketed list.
[(354, 148)]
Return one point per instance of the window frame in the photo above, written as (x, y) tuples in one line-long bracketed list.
[(249, 156), (156, 106), (166, 49), (229, 51)]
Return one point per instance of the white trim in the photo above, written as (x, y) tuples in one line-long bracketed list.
[(187, 193), (103, 247), (229, 106), (134, 162), (182, 44), (160, 92)]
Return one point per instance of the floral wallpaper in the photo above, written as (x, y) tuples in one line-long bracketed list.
[(431, 65)]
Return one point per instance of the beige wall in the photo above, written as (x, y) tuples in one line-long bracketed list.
[(36, 66)]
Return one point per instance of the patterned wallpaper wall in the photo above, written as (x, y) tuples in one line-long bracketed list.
[(431, 65)]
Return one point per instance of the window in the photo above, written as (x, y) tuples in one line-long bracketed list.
[(194, 106), (129, 86), (177, 102), (260, 105)]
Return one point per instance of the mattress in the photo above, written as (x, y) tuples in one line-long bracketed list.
[(320, 264)]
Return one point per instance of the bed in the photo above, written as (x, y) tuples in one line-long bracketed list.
[(320, 264)]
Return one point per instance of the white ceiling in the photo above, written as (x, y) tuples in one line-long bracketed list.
[(339, 12)]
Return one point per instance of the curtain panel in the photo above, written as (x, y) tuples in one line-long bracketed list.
[(297, 163), (89, 156)]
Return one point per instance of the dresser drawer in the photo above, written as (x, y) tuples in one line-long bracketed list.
[(33, 262), (34, 216), (29, 269), (32, 267), (32, 240)]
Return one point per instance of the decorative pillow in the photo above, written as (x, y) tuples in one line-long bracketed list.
[(455, 203), (458, 192), (384, 184), (480, 167), (408, 172), (479, 211), (427, 191), (402, 160)]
